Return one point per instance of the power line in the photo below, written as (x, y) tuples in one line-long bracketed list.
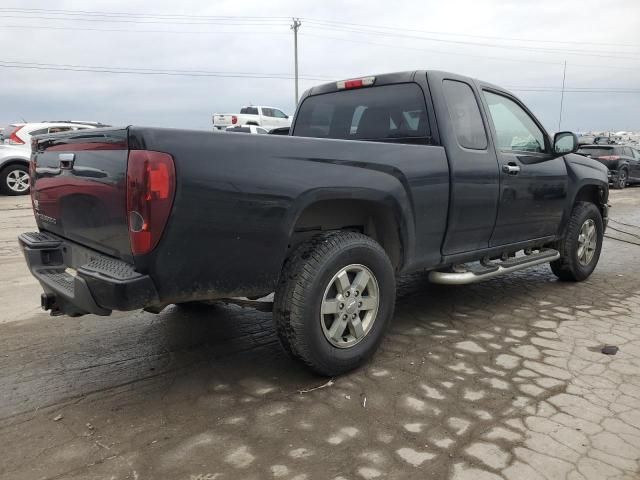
[(76, 13), (601, 54), (444, 52), (141, 21), (311, 35), (487, 37), (147, 71), (131, 14), (274, 22), (260, 75), (126, 30), (238, 22)]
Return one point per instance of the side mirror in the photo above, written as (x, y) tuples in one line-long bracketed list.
[(564, 143)]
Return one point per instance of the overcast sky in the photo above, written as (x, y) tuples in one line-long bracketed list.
[(518, 44)]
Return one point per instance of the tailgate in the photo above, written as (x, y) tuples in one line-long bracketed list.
[(223, 120), (79, 188)]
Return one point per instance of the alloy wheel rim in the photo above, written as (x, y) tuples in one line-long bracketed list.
[(18, 181), (587, 242), (349, 306), (623, 179)]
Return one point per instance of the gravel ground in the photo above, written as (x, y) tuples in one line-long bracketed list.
[(502, 379)]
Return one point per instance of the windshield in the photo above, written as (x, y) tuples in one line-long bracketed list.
[(596, 152), (386, 113)]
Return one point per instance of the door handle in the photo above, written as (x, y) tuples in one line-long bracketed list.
[(511, 169), (66, 160)]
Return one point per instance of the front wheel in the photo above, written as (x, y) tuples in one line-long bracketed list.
[(334, 300), (582, 243)]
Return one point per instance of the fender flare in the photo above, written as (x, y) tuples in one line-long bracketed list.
[(400, 207)]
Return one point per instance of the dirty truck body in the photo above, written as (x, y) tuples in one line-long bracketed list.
[(380, 176)]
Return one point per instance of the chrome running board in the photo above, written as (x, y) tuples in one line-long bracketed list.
[(491, 269)]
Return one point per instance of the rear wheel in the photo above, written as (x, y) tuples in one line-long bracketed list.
[(623, 179), (334, 301), (580, 248), (14, 180)]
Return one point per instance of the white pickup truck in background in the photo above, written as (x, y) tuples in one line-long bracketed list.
[(266, 117)]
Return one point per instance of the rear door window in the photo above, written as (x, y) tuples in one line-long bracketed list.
[(465, 115), (391, 113)]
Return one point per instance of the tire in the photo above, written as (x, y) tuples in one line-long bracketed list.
[(14, 180), (309, 277), (623, 179), (574, 264)]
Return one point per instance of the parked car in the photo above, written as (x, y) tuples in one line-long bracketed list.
[(267, 117), (602, 140), (404, 172), (15, 150), (586, 139), (280, 131), (247, 129), (622, 162)]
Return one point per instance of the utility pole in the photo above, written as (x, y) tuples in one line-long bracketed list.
[(295, 26), (564, 76)]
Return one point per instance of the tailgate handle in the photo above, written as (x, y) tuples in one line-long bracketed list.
[(66, 160)]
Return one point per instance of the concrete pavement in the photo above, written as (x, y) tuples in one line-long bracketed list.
[(499, 380)]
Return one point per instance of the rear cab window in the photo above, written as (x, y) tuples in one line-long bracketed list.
[(465, 115), (387, 113)]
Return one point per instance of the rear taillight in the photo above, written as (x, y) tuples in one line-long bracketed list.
[(609, 157), (151, 181), (14, 139), (234, 119)]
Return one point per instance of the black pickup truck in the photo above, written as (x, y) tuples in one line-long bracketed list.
[(380, 176)]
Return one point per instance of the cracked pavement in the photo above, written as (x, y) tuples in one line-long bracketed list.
[(498, 380)]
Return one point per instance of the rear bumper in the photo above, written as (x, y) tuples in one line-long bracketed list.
[(77, 280)]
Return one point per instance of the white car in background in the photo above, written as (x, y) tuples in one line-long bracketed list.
[(266, 117), (247, 129), (15, 151)]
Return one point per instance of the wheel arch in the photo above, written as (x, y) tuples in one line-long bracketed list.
[(594, 193), (623, 165), (378, 218), (14, 161)]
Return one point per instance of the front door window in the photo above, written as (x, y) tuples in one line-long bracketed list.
[(515, 129)]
